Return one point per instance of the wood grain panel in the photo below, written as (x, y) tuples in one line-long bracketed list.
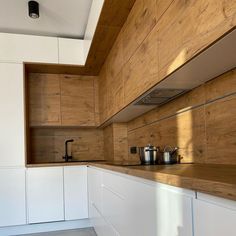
[(214, 89), (204, 129), (115, 59), (141, 71), (161, 7), (182, 29), (103, 95), (107, 37), (221, 86), (139, 23), (108, 143), (115, 12), (116, 142), (113, 16), (67, 100), (44, 99), (120, 136), (115, 94), (96, 102), (189, 26), (186, 131), (77, 100), (141, 20), (47, 144), (221, 131)]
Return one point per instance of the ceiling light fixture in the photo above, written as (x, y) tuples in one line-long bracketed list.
[(33, 9)]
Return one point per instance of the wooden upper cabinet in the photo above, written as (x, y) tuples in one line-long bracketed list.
[(115, 88), (141, 71), (44, 99), (158, 38), (103, 95), (77, 100), (140, 22), (62, 100), (187, 27)]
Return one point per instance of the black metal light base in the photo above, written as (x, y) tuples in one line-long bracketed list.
[(33, 9)]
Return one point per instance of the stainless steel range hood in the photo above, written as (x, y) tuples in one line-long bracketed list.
[(212, 62), (160, 96)]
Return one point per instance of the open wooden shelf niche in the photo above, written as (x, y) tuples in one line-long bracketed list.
[(60, 107)]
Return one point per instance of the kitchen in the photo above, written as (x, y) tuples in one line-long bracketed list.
[(118, 117)]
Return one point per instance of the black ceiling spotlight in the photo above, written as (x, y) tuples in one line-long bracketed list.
[(33, 9)]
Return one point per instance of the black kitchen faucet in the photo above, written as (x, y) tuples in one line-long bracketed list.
[(67, 157)]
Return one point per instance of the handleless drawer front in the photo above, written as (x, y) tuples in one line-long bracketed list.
[(95, 187), (45, 194), (137, 207), (214, 216), (12, 197), (76, 194)]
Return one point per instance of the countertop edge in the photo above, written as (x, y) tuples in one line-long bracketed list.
[(219, 189)]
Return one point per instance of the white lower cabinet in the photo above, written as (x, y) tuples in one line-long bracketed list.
[(102, 227), (99, 223), (95, 188), (45, 194), (76, 194), (12, 197), (57, 194), (136, 207), (214, 216)]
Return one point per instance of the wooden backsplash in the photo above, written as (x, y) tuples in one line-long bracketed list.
[(202, 123), (115, 142), (47, 144)]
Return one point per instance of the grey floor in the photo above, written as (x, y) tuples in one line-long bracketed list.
[(72, 232)]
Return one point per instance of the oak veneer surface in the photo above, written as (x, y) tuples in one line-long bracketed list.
[(218, 180), (115, 142), (77, 100), (61, 163), (157, 38), (113, 15), (120, 138), (108, 143), (188, 27), (48, 144), (141, 71), (62, 100), (44, 99)]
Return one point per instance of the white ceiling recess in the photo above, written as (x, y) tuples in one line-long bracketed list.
[(60, 18)]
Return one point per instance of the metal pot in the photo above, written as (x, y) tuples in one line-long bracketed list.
[(169, 155), (148, 155)]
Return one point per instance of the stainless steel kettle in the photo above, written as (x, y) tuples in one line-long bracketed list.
[(169, 155), (148, 155)]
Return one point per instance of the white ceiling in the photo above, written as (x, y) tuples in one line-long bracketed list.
[(64, 18)]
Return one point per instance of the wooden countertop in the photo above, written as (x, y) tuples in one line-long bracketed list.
[(52, 164), (218, 180)]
